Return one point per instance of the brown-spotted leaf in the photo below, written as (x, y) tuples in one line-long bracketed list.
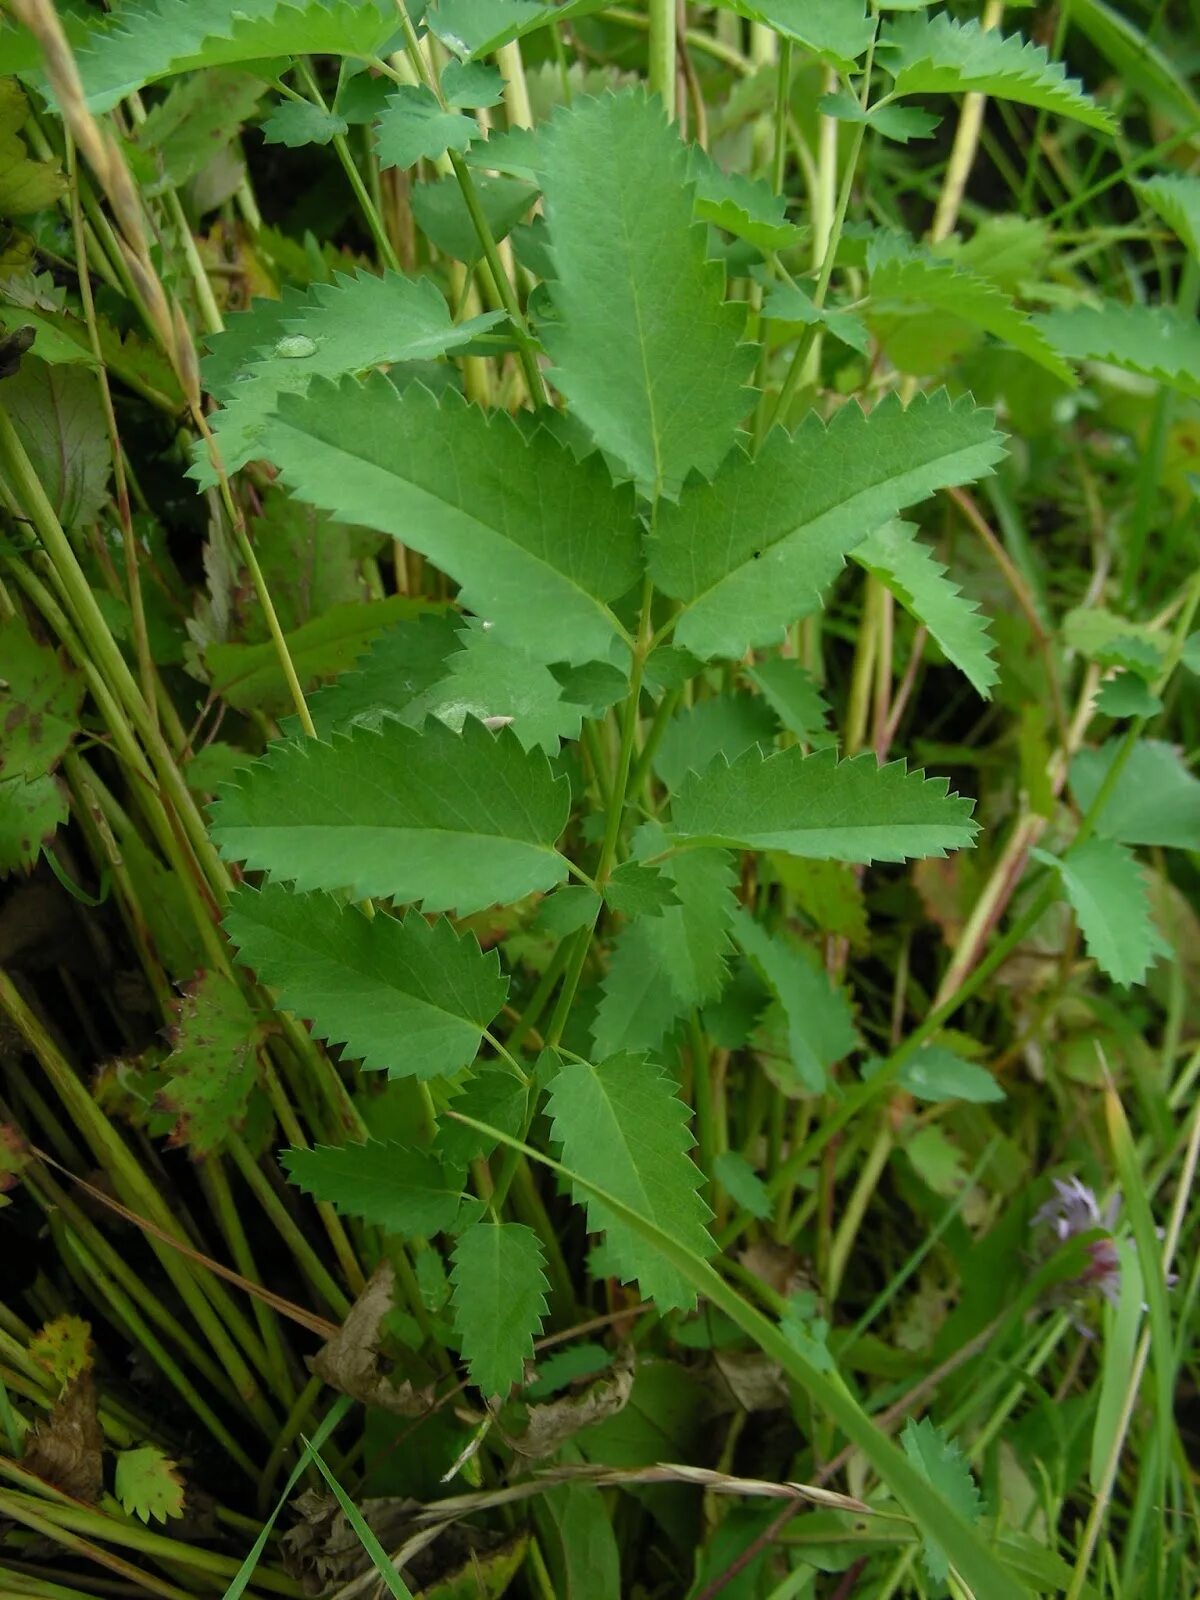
[(211, 1071)]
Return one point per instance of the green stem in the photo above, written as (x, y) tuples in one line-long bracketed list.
[(367, 206), (122, 1309), (661, 68), (504, 285), (286, 1229), (215, 1181), (140, 1195)]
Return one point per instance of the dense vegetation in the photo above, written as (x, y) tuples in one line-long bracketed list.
[(598, 825)]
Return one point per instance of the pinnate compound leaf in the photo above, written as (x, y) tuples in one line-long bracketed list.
[(645, 349), (499, 1302), (410, 998), (942, 1464), (1107, 891), (1176, 198), (936, 55), (901, 270), (538, 542), (666, 962), (413, 127), (457, 821), (822, 808), (910, 570), (347, 326), (148, 1485), (210, 1073), (622, 1126), (820, 1025), (753, 551), (1155, 800), (403, 1191), (1149, 340)]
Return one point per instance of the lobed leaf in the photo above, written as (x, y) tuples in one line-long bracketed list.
[(753, 551), (413, 126), (410, 998), (147, 1483), (621, 1125), (211, 1071), (455, 821), (822, 808)]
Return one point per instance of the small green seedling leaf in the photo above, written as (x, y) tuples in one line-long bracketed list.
[(295, 123), (148, 1485), (413, 127)]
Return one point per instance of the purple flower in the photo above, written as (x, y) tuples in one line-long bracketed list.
[(1074, 1211)]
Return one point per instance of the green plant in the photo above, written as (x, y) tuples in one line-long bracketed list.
[(508, 815)]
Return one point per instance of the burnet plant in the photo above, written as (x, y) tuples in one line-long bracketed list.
[(542, 745)]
